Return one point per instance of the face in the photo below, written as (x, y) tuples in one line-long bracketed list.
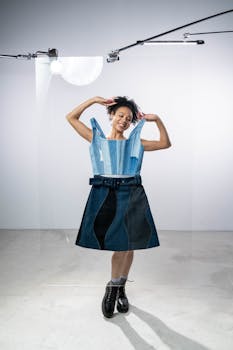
[(122, 118)]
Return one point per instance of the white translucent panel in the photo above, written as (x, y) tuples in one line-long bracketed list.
[(81, 70)]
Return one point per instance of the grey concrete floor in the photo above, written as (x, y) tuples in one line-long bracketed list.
[(51, 293)]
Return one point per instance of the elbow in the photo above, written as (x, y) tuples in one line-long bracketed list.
[(69, 117), (167, 145)]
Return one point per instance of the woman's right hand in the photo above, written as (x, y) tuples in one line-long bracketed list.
[(104, 101)]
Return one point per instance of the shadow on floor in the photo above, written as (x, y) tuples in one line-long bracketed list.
[(172, 339)]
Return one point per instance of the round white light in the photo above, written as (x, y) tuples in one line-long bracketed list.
[(56, 67)]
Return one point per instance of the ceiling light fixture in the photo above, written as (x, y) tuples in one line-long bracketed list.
[(50, 53), (113, 56), (174, 42)]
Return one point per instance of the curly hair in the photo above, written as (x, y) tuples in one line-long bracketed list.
[(124, 101)]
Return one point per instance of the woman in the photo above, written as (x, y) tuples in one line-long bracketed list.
[(117, 215)]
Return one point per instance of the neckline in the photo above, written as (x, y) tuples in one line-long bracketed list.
[(115, 139), (102, 135)]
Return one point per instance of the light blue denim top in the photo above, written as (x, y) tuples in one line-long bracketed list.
[(116, 157)]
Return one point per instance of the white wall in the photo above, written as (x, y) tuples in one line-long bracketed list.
[(45, 165)]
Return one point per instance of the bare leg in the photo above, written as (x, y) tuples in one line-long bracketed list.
[(128, 259), (121, 263)]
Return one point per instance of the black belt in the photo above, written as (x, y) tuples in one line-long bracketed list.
[(114, 182)]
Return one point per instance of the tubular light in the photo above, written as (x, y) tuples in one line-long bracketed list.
[(174, 42)]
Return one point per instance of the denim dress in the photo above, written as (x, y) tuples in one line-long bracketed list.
[(117, 215)]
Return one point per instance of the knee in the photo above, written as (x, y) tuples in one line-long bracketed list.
[(118, 255)]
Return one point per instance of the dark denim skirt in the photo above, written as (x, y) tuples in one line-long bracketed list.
[(117, 216)]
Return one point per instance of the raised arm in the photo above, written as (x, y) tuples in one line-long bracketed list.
[(164, 142), (74, 116), (73, 119)]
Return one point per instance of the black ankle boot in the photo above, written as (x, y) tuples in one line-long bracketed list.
[(122, 300), (109, 299)]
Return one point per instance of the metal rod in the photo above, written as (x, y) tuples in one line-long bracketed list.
[(221, 31)]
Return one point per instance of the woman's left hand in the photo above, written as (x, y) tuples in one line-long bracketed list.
[(149, 117)]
